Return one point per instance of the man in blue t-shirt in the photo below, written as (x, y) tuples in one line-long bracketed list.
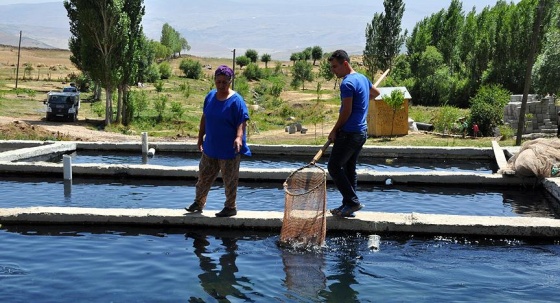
[(349, 133)]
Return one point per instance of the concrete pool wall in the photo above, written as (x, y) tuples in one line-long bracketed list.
[(364, 221)]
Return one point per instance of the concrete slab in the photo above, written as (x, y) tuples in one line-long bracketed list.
[(500, 157), (366, 222), (148, 171), (30, 152)]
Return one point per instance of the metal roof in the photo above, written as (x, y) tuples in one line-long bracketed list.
[(387, 91)]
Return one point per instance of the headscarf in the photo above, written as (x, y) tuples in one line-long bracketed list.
[(224, 70)]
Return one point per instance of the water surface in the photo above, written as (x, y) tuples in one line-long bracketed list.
[(103, 264)]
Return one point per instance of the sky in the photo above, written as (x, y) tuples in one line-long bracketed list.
[(419, 6)]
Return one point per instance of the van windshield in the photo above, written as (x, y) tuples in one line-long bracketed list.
[(60, 99)]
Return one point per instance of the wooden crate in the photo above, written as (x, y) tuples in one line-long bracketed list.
[(380, 115)]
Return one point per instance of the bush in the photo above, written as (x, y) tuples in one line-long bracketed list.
[(139, 103), (152, 73), (165, 70), (191, 68), (506, 132), (185, 87), (177, 110), (253, 72), (446, 118), (159, 86), (98, 108), (160, 104), (487, 107), (276, 87)]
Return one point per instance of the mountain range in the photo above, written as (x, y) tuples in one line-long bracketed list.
[(214, 28)]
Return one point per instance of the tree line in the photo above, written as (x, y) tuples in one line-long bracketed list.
[(447, 57), (451, 54)]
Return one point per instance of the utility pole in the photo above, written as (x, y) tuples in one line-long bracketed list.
[(233, 65), (17, 68)]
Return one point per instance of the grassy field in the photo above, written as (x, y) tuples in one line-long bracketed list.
[(45, 70)]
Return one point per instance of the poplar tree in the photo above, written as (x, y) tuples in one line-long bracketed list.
[(384, 37), (103, 42)]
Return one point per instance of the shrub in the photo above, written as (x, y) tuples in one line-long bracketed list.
[(487, 107), (98, 108), (276, 87), (152, 73), (165, 70), (446, 118), (395, 101), (159, 86), (139, 103), (159, 105), (253, 72), (191, 68), (177, 110), (185, 87), (506, 132)]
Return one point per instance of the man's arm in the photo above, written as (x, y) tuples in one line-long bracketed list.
[(373, 92)]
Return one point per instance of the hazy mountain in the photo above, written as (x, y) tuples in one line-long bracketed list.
[(215, 27)]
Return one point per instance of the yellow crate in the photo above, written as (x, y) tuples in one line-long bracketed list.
[(380, 118)]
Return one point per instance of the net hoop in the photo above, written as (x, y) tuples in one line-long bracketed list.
[(311, 189)]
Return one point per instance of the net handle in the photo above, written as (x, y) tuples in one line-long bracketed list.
[(320, 152), (381, 78)]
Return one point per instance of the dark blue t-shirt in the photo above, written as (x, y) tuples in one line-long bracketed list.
[(221, 121)]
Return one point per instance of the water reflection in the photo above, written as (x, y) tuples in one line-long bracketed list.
[(342, 276), (218, 276), (304, 270)]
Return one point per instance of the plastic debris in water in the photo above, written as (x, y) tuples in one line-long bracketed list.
[(373, 242)]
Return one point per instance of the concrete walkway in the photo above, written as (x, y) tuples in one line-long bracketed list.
[(364, 222)]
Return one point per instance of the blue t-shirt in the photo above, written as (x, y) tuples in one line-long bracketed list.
[(221, 121), (357, 86)]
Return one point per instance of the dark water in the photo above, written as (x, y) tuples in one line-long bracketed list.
[(112, 193), (80, 264), (270, 161)]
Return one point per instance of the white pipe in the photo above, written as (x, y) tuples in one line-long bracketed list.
[(67, 163), (151, 152), (144, 143)]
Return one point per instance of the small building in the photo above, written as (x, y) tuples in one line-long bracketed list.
[(380, 115)]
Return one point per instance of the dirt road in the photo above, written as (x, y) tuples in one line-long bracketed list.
[(79, 131)]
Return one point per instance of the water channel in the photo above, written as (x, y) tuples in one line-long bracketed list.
[(126, 264)]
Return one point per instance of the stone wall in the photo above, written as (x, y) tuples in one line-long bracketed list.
[(543, 112)]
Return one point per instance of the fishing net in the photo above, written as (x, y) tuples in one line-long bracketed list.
[(304, 223), (537, 158)]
